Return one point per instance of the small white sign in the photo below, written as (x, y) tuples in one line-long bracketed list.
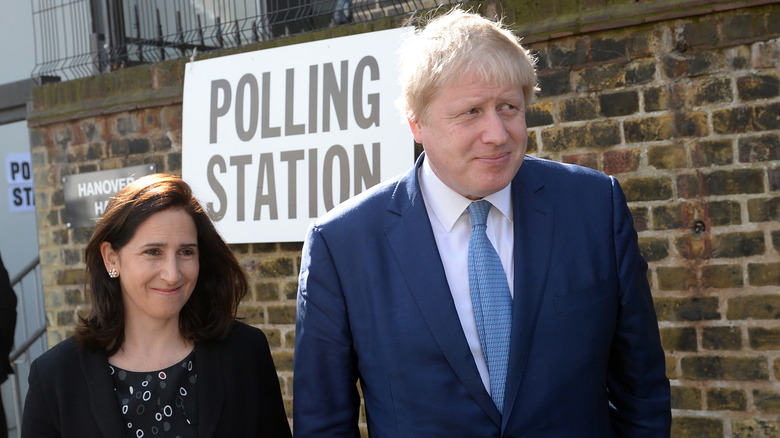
[(18, 170)]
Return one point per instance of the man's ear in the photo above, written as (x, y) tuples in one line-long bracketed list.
[(110, 257), (416, 130)]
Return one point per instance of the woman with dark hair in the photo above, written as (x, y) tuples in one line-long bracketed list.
[(160, 353)]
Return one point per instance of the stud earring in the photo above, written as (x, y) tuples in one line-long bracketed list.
[(112, 273)]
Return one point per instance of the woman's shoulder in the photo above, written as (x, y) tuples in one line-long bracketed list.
[(64, 353), (242, 335), (61, 363)]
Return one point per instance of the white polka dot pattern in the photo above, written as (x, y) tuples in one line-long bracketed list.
[(160, 403)]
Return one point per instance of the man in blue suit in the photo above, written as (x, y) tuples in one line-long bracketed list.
[(546, 331)]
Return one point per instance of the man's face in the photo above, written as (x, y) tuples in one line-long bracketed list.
[(475, 136)]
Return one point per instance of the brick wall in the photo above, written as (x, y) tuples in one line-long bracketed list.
[(686, 114), (684, 111)]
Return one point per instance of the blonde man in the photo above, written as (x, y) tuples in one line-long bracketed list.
[(484, 293)]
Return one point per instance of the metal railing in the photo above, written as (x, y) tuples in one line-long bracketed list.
[(22, 356), (79, 38)]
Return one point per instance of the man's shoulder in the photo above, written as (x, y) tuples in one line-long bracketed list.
[(564, 179), (371, 202), (550, 168)]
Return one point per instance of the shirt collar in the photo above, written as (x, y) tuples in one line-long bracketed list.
[(448, 205)]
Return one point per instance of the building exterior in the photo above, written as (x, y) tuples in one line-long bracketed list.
[(679, 99)]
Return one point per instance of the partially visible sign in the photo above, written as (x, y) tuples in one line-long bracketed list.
[(18, 168), (87, 194)]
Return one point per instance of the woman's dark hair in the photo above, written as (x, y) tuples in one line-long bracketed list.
[(221, 285)]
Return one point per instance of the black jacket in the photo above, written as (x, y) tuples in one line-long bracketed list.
[(7, 321), (72, 395)]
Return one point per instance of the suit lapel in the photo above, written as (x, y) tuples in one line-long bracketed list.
[(533, 229), (411, 239), (102, 397), (211, 393)]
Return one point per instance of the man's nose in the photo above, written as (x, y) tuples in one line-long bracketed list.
[(494, 129)]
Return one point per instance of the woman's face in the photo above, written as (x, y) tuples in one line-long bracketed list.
[(158, 268)]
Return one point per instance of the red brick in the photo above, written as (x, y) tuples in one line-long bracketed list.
[(621, 161), (586, 160)]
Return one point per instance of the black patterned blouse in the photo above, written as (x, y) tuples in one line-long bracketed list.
[(159, 403)]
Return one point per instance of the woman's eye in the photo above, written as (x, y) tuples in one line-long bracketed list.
[(153, 252)]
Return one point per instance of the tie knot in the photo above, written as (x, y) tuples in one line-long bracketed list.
[(479, 212)]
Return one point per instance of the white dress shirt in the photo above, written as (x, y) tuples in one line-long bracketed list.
[(451, 222)]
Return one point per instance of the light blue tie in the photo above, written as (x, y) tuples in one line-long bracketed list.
[(491, 300)]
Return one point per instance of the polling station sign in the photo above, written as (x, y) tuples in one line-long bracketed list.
[(275, 138), (18, 170)]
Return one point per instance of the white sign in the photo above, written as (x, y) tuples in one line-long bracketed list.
[(275, 138), (18, 170)]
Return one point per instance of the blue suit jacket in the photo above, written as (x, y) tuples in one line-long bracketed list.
[(374, 305)]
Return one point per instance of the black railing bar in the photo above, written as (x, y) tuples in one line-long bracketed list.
[(179, 30), (179, 12), (200, 32), (219, 10), (220, 42), (160, 34), (162, 9)]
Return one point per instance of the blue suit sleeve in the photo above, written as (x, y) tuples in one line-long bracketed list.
[(637, 383), (326, 401)]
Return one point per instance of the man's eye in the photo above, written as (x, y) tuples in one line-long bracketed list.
[(472, 111)]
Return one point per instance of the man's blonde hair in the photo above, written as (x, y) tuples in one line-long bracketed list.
[(453, 45)]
